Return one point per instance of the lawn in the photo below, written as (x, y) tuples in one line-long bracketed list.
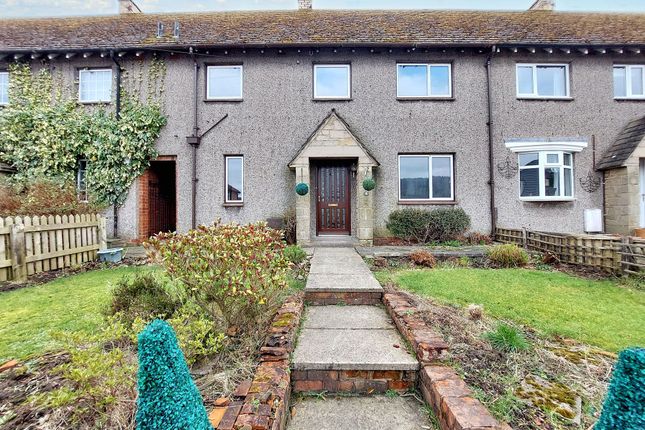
[(598, 312), (29, 315)]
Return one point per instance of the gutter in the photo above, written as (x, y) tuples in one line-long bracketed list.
[(117, 114), (491, 159)]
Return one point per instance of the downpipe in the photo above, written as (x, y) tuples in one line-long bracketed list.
[(489, 124), (117, 115)]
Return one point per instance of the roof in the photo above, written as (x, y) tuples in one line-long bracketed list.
[(626, 142), (324, 28)]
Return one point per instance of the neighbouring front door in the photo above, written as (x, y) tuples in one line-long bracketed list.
[(333, 210), (642, 192)]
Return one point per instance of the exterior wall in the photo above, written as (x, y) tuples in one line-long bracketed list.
[(278, 114)]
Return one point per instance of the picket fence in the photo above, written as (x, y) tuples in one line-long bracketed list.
[(34, 244), (607, 252)]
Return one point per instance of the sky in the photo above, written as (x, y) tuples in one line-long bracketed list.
[(33, 8)]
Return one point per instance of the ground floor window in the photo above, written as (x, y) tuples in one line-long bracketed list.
[(234, 178), (81, 181), (546, 175), (426, 177)]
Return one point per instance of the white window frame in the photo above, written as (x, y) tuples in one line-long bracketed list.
[(226, 158), (80, 79), (540, 167), (335, 66), (430, 197), (79, 191), (535, 94), (225, 66), (6, 89), (428, 80), (628, 81)]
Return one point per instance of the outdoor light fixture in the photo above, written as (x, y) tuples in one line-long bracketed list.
[(353, 169)]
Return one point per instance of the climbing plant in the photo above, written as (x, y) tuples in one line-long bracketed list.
[(44, 134)]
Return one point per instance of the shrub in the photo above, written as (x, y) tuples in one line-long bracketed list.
[(423, 258), (476, 238), (295, 254), (289, 225), (624, 406), (235, 273), (142, 297), (508, 255), (168, 398), (423, 226), (507, 338), (197, 337)]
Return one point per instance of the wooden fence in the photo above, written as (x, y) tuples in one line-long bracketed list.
[(611, 253), (36, 244)]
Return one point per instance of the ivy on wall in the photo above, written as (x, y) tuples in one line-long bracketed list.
[(44, 134)]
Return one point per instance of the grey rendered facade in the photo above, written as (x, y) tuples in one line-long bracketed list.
[(278, 115)]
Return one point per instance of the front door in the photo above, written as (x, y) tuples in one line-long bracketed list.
[(642, 192), (333, 210)]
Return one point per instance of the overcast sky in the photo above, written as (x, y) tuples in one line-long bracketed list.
[(27, 8)]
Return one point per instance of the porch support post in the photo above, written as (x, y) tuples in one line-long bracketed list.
[(365, 202), (303, 206)]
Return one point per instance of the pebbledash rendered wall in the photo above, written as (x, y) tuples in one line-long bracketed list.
[(277, 115)]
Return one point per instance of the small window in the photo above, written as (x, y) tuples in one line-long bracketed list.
[(426, 177), (332, 81), (95, 86), (81, 180), (546, 175), (234, 179), (4, 88), (224, 83), (423, 80), (542, 80), (629, 81)]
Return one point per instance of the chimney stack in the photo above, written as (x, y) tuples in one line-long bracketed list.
[(128, 6), (543, 5), (304, 4)]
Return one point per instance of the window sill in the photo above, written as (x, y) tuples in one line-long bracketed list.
[(425, 99), (629, 99), (427, 202), (546, 200), (94, 103), (223, 100), (545, 99), (233, 205), (340, 99)]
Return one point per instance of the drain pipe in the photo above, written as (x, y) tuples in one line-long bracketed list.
[(117, 114), (194, 140), (491, 159)]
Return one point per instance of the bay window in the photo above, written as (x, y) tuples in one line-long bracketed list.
[(546, 175), (426, 177)]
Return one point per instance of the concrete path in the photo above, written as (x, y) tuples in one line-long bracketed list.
[(358, 413), (351, 348)]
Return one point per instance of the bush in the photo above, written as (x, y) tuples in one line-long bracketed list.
[(235, 273), (289, 225), (35, 198), (624, 406), (476, 238), (142, 297), (168, 398), (508, 255), (424, 226), (295, 254), (423, 258), (507, 338), (197, 337)]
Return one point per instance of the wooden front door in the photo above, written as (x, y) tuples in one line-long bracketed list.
[(333, 209), (161, 197)]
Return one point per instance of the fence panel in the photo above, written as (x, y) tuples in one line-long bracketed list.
[(48, 243)]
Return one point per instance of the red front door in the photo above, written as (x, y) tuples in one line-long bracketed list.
[(333, 211)]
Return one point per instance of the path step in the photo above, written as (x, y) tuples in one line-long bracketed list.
[(351, 349)]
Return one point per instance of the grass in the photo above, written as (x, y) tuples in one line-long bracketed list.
[(506, 338), (29, 315), (597, 312)]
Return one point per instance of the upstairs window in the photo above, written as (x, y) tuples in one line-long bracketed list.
[(629, 81), (332, 81), (548, 81), (224, 83), (426, 177), (95, 85), (546, 175), (234, 179), (423, 80), (81, 180), (4, 88)]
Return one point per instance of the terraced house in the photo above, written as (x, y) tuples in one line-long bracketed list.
[(524, 119)]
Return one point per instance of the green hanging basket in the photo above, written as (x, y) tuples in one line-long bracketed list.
[(302, 189), (369, 184)]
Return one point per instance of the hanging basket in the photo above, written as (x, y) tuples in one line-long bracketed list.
[(302, 189), (369, 184)]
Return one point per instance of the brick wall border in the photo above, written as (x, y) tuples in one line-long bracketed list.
[(353, 381), (320, 298), (447, 394), (262, 404)]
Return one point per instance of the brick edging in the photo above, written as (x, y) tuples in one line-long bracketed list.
[(322, 298), (262, 404), (447, 394)]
